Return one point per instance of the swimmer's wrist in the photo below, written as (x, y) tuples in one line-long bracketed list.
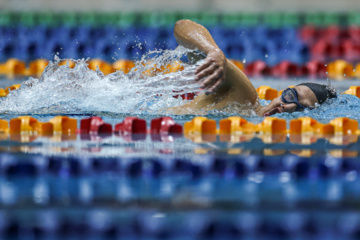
[(216, 51)]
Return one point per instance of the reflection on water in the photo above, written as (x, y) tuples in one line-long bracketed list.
[(188, 146), (243, 182)]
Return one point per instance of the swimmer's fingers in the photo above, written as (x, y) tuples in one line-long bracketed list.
[(217, 85), (209, 82), (207, 62), (203, 67), (205, 72)]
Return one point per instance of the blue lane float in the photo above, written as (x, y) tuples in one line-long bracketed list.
[(27, 165), (172, 183), (250, 43), (137, 223)]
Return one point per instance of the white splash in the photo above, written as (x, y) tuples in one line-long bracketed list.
[(66, 90)]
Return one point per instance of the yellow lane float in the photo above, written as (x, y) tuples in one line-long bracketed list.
[(103, 66), (267, 93), (13, 68), (27, 124), (340, 70), (236, 125), (123, 65), (37, 67), (353, 90), (64, 125), (308, 125), (200, 125)]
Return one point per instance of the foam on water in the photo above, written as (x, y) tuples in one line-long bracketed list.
[(64, 90)]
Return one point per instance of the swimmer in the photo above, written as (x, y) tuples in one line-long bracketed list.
[(226, 84)]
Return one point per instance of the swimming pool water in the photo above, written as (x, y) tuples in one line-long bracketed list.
[(135, 187), (81, 93), (173, 187)]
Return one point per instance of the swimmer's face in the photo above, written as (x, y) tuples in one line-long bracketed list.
[(305, 97)]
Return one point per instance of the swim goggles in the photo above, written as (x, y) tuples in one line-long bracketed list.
[(289, 95)]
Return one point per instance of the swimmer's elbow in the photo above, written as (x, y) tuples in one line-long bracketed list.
[(182, 25)]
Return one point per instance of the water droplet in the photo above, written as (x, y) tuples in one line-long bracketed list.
[(159, 215), (266, 55), (351, 176), (256, 177), (284, 177)]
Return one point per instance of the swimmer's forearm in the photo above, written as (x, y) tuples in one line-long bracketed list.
[(241, 86), (194, 36), (238, 84)]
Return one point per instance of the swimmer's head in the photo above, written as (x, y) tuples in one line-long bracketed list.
[(304, 95)]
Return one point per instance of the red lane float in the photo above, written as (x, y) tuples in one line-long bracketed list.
[(285, 69), (338, 69), (95, 125), (324, 50), (258, 68), (316, 69), (354, 32), (320, 50), (164, 129), (131, 129), (348, 50), (165, 125), (332, 33), (332, 42), (308, 33), (131, 125)]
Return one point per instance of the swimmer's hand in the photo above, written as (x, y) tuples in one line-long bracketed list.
[(212, 72)]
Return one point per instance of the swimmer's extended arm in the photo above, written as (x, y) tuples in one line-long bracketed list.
[(195, 36), (222, 77)]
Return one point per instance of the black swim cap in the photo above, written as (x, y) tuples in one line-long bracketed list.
[(322, 92)]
